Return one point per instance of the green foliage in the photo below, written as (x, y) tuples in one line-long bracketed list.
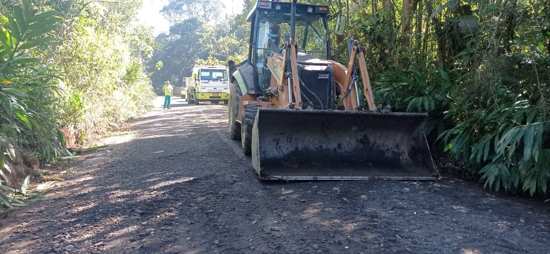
[(521, 162), (27, 90), (480, 67), (102, 71), (414, 90)]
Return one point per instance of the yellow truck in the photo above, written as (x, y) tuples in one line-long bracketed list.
[(208, 83)]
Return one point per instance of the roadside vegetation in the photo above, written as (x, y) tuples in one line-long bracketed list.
[(481, 68), (69, 70)]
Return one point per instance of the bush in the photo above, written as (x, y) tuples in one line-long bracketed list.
[(481, 69), (64, 71), (27, 90)]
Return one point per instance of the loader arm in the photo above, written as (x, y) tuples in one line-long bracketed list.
[(296, 95), (293, 51), (349, 98), (349, 92)]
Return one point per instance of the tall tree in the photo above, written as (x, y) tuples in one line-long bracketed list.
[(178, 52), (195, 37)]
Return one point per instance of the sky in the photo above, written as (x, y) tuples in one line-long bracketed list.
[(150, 13)]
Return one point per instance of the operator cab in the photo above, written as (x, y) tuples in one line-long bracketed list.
[(271, 28)]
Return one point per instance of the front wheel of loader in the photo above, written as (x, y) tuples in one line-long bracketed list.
[(246, 128), (233, 110)]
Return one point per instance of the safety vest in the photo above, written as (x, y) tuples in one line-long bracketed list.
[(167, 90)]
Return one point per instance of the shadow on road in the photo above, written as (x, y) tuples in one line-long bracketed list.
[(178, 185)]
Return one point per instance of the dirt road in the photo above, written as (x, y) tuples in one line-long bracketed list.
[(177, 184)]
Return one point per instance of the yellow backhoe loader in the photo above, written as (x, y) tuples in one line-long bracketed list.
[(302, 116)]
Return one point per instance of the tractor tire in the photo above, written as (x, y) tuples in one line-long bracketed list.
[(233, 111), (246, 128)]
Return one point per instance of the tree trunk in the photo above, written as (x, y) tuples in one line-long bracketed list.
[(406, 16), (438, 32), (390, 37), (510, 25), (418, 27)]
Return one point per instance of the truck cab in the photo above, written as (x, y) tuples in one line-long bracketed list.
[(208, 83)]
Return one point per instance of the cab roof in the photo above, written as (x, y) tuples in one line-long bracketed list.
[(285, 7), (207, 67)]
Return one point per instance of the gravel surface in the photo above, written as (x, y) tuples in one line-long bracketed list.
[(177, 184)]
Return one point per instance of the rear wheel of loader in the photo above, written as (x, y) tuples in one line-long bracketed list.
[(246, 128), (233, 111)]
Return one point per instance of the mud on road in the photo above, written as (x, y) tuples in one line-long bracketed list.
[(177, 184)]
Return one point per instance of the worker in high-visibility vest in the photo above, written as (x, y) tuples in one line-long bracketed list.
[(167, 89)]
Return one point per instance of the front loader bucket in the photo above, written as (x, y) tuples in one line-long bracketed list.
[(340, 145)]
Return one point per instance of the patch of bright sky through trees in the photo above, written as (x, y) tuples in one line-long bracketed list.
[(150, 13)]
